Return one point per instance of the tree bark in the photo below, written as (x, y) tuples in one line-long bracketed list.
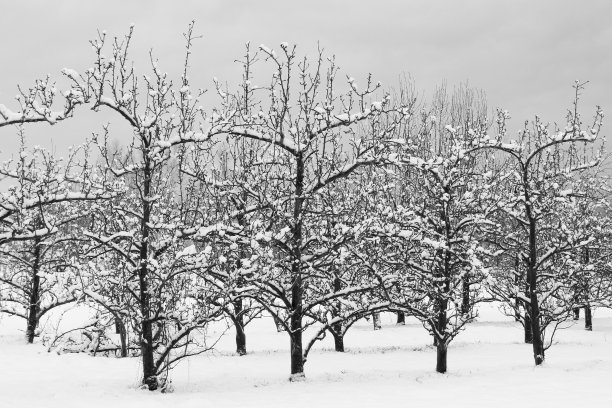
[(401, 318), (338, 341), (442, 301), (538, 344), (517, 281), (527, 321), (465, 301), (297, 359), (297, 284), (441, 352), (376, 320), (238, 306), (121, 331), (239, 324), (576, 313), (336, 328), (240, 340), (146, 342), (588, 318), (527, 328), (442, 320), (34, 307)]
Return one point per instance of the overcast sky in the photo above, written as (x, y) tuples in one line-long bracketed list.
[(524, 54)]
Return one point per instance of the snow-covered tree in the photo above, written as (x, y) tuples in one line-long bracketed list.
[(149, 225), (37, 214), (544, 163), (429, 213), (231, 181), (314, 133), (340, 275), (38, 103), (590, 214)]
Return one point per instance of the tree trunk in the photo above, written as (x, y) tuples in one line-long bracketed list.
[(441, 351), (297, 284), (537, 341), (238, 306), (239, 324), (527, 327), (536, 333), (441, 323), (338, 341), (146, 326), (295, 336), (336, 328), (527, 322), (465, 301), (576, 313), (401, 318), (376, 321), (148, 362), (120, 330), (297, 359), (240, 340), (517, 281), (588, 318), (34, 306), (442, 300), (146, 347), (33, 310)]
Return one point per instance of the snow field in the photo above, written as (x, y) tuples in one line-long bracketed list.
[(489, 366)]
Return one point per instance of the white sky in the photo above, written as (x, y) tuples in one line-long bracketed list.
[(525, 54)]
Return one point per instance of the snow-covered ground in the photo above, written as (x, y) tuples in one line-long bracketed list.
[(489, 366)]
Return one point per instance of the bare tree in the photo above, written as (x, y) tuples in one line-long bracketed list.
[(157, 206), (36, 217), (545, 162), (430, 210), (309, 130)]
